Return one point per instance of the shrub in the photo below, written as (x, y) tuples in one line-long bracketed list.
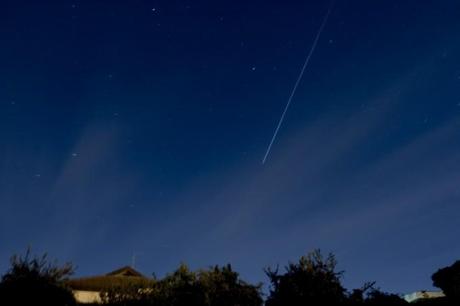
[(36, 281)]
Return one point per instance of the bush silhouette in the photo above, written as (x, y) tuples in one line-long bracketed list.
[(214, 287), (448, 280), (35, 281), (223, 287), (368, 295), (311, 281), (181, 288)]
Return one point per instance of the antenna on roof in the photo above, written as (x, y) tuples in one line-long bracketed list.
[(133, 261)]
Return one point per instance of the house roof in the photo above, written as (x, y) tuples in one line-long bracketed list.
[(125, 271), (117, 278)]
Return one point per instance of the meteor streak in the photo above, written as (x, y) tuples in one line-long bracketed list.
[(307, 60)]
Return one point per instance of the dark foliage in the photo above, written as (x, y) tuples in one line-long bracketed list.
[(448, 279), (224, 288), (378, 298), (35, 281), (214, 287), (436, 302), (311, 281), (371, 296), (180, 288)]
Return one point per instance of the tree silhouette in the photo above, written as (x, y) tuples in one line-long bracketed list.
[(214, 287), (181, 288), (448, 279), (311, 281), (223, 287), (368, 295), (36, 281)]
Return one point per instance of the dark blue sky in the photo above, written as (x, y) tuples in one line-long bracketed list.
[(140, 126)]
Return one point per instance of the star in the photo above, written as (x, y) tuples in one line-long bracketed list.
[(74, 154)]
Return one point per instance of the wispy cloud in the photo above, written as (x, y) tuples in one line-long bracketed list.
[(315, 191)]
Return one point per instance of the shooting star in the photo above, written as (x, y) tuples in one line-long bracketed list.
[(302, 71)]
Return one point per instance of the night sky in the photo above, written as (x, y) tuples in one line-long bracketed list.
[(139, 127)]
